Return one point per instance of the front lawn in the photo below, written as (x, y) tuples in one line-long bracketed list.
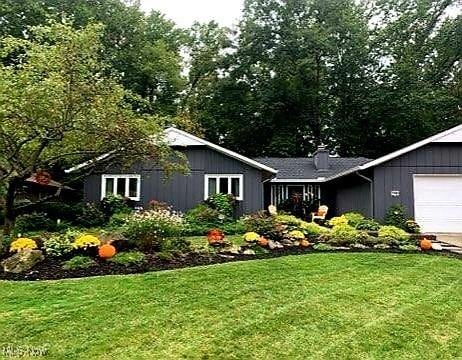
[(318, 306)]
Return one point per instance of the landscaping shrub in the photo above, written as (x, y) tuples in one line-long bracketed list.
[(338, 220), (202, 213), (393, 232), (113, 204), (396, 216), (368, 225), (409, 247), (148, 230), (322, 247), (128, 258), (79, 262), (259, 222), (60, 244), (64, 211), (34, 222), (313, 229), (233, 228), (289, 220), (224, 203), (365, 239), (91, 216), (353, 218), (342, 235), (118, 220), (412, 227), (176, 245)]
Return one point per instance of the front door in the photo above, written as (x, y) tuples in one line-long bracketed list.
[(295, 192)]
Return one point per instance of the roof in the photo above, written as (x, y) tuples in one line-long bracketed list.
[(177, 137), (303, 169), (452, 135)]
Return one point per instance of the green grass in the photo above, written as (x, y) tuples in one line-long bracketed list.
[(320, 306)]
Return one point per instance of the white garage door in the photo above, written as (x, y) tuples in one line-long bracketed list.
[(438, 203)]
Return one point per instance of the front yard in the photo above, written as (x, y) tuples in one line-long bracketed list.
[(317, 306)]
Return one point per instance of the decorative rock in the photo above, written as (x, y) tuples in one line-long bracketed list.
[(437, 247), (226, 256), (234, 249), (275, 245), (249, 252), (287, 242), (22, 261), (359, 246)]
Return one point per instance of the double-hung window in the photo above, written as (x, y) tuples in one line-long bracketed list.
[(225, 184), (128, 186)]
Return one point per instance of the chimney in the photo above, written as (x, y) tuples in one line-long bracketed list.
[(321, 158)]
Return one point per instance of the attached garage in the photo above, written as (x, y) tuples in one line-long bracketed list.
[(438, 202)]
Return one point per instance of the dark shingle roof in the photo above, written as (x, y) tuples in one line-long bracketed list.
[(303, 168)]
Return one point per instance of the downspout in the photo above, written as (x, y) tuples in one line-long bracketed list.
[(371, 186)]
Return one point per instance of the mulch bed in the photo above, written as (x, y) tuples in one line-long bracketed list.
[(51, 268)]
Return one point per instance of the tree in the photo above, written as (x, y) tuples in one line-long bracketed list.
[(58, 107)]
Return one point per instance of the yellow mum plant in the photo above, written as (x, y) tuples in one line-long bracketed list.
[(22, 244), (296, 234), (86, 241), (251, 237)]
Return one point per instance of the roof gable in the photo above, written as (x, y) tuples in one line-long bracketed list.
[(452, 135)]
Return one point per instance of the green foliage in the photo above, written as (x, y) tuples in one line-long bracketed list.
[(338, 220), (113, 204), (34, 222), (128, 258), (176, 245), (289, 220), (260, 222), (118, 220), (412, 227), (354, 218), (223, 203), (368, 225), (79, 262), (202, 213), (60, 244), (150, 229), (343, 235), (396, 216), (91, 216), (394, 233), (409, 247), (313, 229), (322, 247)]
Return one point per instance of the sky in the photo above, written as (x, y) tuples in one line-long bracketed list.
[(185, 12)]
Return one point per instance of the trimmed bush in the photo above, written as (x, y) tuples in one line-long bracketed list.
[(260, 223), (343, 235), (313, 229), (79, 262), (223, 203), (353, 218), (368, 225), (338, 220), (128, 258), (412, 227), (394, 233)]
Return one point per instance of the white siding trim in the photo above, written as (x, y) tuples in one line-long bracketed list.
[(127, 177), (224, 176)]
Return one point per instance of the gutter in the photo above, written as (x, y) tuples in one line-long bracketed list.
[(371, 186)]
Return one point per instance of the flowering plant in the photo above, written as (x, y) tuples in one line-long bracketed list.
[(251, 237), (86, 241), (150, 228), (22, 244)]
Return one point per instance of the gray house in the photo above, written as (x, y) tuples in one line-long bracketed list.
[(425, 177)]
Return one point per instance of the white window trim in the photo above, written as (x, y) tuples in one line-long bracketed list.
[(224, 176), (127, 184)]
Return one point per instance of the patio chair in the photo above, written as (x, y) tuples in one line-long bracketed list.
[(320, 214)]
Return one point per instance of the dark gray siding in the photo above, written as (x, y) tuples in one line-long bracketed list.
[(184, 192), (397, 174), (353, 193)]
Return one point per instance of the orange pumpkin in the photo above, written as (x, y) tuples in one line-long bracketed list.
[(425, 244), (263, 241), (304, 243), (106, 251)]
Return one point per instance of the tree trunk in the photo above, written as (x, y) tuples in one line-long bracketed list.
[(10, 215)]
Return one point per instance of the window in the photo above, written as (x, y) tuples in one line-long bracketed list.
[(128, 186), (225, 184)]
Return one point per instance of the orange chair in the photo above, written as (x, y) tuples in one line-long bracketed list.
[(320, 214)]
